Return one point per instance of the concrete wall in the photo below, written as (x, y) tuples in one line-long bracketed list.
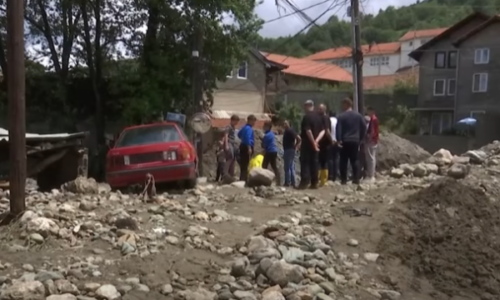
[(382, 103), (432, 143)]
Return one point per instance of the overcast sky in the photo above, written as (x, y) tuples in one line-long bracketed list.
[(293, 24)]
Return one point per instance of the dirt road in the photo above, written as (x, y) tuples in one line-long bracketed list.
[(271, 243)]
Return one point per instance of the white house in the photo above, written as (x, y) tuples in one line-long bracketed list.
[(380, 59), (412, 40)]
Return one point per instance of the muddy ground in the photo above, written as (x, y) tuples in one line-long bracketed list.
[(398, 238)]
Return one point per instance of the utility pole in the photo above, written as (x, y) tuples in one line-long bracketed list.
[(198, 92), (17, 106), (357, 57)]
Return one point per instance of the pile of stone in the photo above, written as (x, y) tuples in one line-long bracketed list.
[(292, 261), (442, 162)]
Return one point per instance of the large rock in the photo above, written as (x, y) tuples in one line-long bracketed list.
[(108, 292), (82, 185), (420, 171), (476, 156), (393, 151), (43, 226), (397, 173), (282, 273), (458, 171), (442, 157), (260, 177), (30, 290), (443, 153)]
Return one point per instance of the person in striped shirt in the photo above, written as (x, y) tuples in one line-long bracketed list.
[(230, 146)]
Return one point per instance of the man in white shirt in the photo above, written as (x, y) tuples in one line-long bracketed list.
[(333, 165)]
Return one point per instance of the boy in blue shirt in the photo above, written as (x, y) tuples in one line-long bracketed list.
[(246, 147), (270, 151)]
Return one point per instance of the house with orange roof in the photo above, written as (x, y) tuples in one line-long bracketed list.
[(302, 72), (379, 59), (245, 88)]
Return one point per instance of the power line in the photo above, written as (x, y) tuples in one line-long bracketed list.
[(296, 12), (331, 7)]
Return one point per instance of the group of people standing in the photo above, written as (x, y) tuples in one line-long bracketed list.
[(327, 144)]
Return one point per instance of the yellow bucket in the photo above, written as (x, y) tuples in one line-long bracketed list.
[(256, 162)]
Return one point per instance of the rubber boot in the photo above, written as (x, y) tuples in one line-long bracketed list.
[(323, 177)]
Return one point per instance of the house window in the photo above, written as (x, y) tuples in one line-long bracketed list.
[(452, 59), (441, 122), (440, 60), (439, 87), (451, 87), (344, 63), (243, 71), (411, 43), (379, 61), (480, 82), (230, 75), (482, 56)]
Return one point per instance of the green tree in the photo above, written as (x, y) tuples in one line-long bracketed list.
[(386, 26)]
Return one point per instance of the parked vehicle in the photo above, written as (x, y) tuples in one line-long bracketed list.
[(160, 149)]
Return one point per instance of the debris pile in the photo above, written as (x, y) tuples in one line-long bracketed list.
[(440, 163), (448, 233), (394, 150)]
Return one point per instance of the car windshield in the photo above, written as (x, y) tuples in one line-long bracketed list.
[(149, 135)]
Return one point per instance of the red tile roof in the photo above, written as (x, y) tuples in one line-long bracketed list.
[(384, 81), (425, 33), (343, 52), (447, 32), (312, 69)]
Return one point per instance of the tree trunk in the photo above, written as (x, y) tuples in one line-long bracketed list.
[(94, 62)]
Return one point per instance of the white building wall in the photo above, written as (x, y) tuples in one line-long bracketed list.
[(407, 47), (381, 64), (373, 65)]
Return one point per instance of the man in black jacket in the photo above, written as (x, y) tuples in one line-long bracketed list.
[(311, 129), (350, 131)]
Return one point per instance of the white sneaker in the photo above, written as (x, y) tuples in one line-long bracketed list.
[(370, 180)]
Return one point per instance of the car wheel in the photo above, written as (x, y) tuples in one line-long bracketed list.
[(190, 184)]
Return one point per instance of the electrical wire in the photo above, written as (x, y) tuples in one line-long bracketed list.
[(296, 12), (331, 7)]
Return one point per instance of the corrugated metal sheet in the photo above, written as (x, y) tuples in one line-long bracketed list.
[(4, 135)]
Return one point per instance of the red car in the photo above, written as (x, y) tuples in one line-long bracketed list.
[(160, 149)]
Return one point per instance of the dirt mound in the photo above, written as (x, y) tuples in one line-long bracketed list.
[(450, 234), (394, 150)]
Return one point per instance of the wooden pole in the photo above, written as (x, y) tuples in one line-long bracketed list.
[(17, 106), (198, 92), (358, 56)]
